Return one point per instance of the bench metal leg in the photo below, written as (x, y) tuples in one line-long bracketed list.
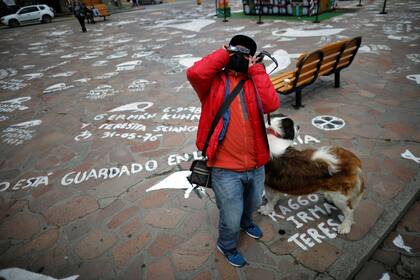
[(337, 79), (298, 99)]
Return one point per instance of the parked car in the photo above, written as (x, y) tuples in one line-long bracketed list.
[(28, 15)]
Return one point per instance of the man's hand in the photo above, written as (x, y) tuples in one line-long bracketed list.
[(252, 60)]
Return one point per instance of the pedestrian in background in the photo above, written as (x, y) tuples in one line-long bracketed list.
[(89, 14), (135, 3), (69, 5), (95, 12), (79, 10)]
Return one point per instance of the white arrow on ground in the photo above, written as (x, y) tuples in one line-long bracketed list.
[(409, 155), (134, 107), (177, 180), (18, 273), (194, 25), (414, 77), (291, 32)]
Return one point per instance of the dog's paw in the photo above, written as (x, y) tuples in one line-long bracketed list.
[(328, 198), (344, 228), (265, 210)]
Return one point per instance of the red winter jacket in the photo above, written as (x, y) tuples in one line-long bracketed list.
[(208, 80)]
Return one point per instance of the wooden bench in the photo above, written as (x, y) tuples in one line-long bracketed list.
[(103, 10), (99, 5), (329, 59)]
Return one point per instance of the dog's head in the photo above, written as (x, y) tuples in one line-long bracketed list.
[(282, 127)]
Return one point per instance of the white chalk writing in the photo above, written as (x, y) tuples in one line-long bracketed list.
[(17, 134), (12, 84), (139, 85), (107, 172), (25, 183), (304, 210), (14, 104), (100, 92)]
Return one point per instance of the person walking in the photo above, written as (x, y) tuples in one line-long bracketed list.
[(89, 14), (79, 11), (69, 5), (135, 3), (238, 148)]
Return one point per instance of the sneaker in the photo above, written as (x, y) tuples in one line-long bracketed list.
[(233, 257), (254, 231)]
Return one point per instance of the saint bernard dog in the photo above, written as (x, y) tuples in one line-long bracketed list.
[(333, 171)]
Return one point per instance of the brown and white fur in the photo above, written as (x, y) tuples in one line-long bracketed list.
[(332, 171)]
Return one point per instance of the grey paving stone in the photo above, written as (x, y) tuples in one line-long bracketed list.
[(387, 258)]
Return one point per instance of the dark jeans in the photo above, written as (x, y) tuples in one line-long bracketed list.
[(238, 195), (82, 22)]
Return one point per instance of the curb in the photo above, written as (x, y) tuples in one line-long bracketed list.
[(346, 267)]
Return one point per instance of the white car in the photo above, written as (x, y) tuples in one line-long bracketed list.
[(29, 14)]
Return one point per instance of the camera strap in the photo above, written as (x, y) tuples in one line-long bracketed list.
[(261, 113), (221, 112)]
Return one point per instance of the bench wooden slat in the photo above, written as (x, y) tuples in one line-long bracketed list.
[(328, 64), (282, 76), (334, 46), (310, 64), (304, 82), (344, 63), (103, 10), (331, 57), (286, 89), (326, 71), (351, 49), (282, 84), (345, 59), (309, 72), (346, 56), (306, 79), (333, 53)]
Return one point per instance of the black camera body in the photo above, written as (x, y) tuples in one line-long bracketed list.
[(259, 57)]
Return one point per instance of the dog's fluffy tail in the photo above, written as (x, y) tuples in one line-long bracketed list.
[(327, 155)]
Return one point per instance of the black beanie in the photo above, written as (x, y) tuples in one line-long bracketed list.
[(245, 41)]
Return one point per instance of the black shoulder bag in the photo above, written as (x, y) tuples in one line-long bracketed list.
[(200, 172)]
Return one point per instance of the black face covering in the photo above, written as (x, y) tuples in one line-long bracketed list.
[(238, 63)]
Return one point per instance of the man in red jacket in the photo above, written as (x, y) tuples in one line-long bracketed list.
[(238, 148)]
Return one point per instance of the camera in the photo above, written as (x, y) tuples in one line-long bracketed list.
[(239, 49)]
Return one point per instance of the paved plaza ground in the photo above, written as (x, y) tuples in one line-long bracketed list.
[(90, 121)]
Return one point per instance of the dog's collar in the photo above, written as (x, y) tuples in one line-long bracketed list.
[(271, 131)]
